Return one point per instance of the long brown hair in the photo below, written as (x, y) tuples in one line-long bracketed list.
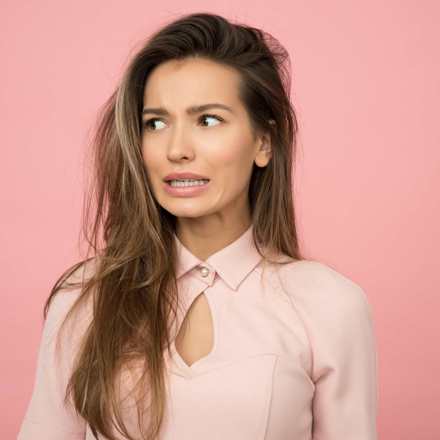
[(130, 237)]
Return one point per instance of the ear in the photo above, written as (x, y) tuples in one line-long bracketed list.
[(264, 152)]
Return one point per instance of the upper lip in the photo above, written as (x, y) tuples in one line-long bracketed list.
[(175, 176)]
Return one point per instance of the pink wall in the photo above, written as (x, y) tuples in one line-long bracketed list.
[(366, 87)]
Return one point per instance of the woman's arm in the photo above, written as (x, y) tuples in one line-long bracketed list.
[(345, 401), (47, 417), (339, 325)]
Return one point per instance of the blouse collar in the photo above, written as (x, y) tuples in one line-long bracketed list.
[(232, 263)]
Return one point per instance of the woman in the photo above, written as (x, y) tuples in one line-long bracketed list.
[(197, 317)]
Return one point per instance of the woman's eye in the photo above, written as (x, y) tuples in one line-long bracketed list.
[(212, 117), (147, 124)]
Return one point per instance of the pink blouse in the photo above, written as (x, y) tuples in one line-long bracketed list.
[(294, 356)]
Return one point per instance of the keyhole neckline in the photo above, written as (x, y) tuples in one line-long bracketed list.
[(200, 361)]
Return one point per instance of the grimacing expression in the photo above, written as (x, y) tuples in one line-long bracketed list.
[(217, 142)]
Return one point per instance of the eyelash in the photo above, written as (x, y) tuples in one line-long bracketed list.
[(145, 124)]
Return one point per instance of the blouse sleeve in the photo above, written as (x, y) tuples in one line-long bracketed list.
[(339, 324), (344, 405), (46, 415)]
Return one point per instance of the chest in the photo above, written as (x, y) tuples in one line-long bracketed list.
[(238, 358)]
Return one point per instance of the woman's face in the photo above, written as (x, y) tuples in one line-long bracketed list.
[(216, 143)]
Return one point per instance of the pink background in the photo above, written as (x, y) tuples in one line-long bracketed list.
[(366, 87)]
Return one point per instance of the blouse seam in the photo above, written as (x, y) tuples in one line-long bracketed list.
[(278, 288)]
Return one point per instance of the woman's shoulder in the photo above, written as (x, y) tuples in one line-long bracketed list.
[(318, 287), (70, 296)]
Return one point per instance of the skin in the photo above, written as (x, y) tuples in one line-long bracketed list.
[(223, 150)]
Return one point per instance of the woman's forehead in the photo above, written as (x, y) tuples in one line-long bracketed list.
[(196, 81)]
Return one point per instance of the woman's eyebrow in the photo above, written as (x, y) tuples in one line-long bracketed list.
[(191, 110)]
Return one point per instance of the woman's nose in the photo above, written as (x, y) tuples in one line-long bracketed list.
[(179, 143)]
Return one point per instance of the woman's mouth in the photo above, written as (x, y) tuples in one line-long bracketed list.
[(186, 187), (183, 183)]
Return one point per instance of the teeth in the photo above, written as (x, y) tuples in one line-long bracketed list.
[(188, 182)]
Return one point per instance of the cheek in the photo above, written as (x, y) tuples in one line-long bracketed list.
[(150, 159), (232, 159)]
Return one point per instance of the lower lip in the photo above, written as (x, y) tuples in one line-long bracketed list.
[(185, 191)]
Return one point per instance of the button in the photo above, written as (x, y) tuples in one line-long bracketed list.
[(204, 271)]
